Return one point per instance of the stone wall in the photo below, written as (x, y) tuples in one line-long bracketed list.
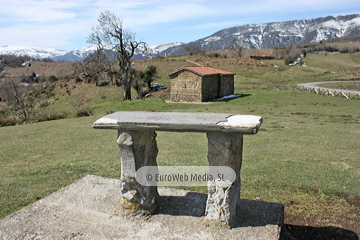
[(186, 87), (227, 85), (210, 87)]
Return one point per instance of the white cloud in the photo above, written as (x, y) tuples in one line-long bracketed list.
[(38, 11), (141, 13), (56, 23), (38, 35)]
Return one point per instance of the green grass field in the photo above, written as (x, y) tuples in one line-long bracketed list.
[(306, 155)]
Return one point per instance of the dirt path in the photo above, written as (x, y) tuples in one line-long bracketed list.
[(314, 85)]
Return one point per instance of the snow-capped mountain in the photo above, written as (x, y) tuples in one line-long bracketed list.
[(31, 51), (265, 35), (40, 53), (77, 54), (279, 34)]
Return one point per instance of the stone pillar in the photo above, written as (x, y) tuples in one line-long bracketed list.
[(137, 149), (224, 149)]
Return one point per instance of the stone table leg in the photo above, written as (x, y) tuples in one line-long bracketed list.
[(137, 149), (224, 149)]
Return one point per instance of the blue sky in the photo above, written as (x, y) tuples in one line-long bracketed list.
[(65, 24)]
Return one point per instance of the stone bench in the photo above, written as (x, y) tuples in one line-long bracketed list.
[(138, 148)]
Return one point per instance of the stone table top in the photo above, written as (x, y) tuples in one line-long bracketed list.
[(180, 122)]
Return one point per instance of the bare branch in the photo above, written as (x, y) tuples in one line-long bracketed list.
[(110, 35), (238, 46)]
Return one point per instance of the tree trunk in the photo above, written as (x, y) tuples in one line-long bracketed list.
[(127, 82), (127, 91)]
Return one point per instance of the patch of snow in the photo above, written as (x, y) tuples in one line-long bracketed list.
[(295, 62), (254, 40), (3, 72), (228, 97), (333, 24), (212, 39), (162, 47)]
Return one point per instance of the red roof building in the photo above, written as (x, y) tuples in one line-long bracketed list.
[(260, 56), (200, 83), (203, 70)]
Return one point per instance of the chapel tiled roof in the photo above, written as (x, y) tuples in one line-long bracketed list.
[(261, 55), (203, 70)]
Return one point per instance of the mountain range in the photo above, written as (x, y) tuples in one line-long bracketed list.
[(265, 35)]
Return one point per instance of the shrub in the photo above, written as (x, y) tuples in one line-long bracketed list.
[(84, 113), (52, 116), (344, 50), (44, 104), (68, 77), (8, 121), (78, 80), (331, 48), (280, 53), (56, 116), (214, 55), (51, 78), (292, 55), (14, 61), (193, 49), (352, 49), (290, 59)]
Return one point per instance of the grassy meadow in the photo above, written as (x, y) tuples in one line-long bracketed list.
[(306, 155)]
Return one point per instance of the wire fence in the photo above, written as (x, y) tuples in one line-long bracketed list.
[(338, 93)]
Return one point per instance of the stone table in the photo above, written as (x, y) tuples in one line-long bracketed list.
[(138, 148)]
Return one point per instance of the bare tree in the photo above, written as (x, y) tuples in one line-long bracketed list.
[(137, 82), (2, 67), (18, 96), (93, 66), (238, 46), (193, 49), (111, 34)]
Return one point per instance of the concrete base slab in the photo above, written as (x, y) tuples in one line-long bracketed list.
[(88, 209)]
